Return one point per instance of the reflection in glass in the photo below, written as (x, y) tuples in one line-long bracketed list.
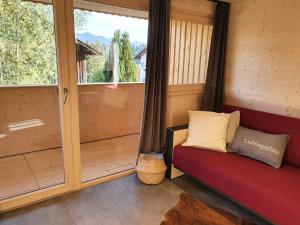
[(111, 55), (30, 135)]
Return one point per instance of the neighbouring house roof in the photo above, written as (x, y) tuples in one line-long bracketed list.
[(85, 49), (82, 51), (140, 54)]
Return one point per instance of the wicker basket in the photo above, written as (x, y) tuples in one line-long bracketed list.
[(151, 168)]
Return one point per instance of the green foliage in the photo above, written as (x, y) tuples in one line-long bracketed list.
[(100, 70), (126, 59), (94, 63), (27, 49), (101, 75), (117, 37), (80, 18), (97, 67), (27, 42)]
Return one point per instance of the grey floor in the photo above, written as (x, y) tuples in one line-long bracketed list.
[(120, 202)]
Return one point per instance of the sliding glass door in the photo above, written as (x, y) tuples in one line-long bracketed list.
[(70, 106), (34, 148), (111, 58)]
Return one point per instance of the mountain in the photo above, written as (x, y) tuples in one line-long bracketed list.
[(138, 46), (92, 38)]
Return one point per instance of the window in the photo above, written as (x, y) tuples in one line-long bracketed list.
[(110, 48), (189, 52), (27, 44)]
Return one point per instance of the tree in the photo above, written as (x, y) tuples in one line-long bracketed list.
[(94, 62), (97, 66), (27, 43), (80, 19), (117, 37), (27, 50), (127, 66)]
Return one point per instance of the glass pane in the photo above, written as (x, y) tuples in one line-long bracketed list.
[(30, 132), (111, 63)]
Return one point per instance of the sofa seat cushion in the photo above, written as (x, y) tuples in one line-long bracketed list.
[(272, 193)]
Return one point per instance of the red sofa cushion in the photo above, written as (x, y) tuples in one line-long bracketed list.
[(273, 123), (272, 193)]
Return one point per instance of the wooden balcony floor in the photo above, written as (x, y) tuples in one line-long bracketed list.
[(37, 170)]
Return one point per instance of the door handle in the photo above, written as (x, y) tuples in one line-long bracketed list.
[(66, 93)]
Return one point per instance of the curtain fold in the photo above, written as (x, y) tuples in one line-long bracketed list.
[(214, 87), (153, 129)]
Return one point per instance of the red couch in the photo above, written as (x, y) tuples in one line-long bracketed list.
[(274, 194)]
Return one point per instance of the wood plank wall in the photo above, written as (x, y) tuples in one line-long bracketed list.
[(105, 112), (33, 111), (197, 11), (189, 52), (190, 34), (182, 98), (263, 56), (119, 117)]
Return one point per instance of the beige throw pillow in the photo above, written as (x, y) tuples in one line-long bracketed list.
[(207, 130), (233, 124)]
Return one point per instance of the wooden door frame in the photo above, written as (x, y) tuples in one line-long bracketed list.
[(66, 58), (65, 118), (74, 106), (67, 67)]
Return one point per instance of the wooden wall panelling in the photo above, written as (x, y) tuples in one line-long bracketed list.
[(176, 52), (105, 112), (189, 51), (172, 50), (132, 8), (198, 54), (29, 119), (100, 117), (263, 56), (111, 9), (195, 11), (209, 36), (180, 99), (203, 54), (142, 5), (192, 53), (30, 103), (108, 111), (181, 56)]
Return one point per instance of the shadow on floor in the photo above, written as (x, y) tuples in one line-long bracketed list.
[(121, 202)]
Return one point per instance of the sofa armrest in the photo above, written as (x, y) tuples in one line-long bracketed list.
[(175, 136)]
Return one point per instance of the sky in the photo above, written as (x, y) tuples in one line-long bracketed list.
[(106, 24)]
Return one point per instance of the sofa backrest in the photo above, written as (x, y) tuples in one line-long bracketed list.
[(273, 123)]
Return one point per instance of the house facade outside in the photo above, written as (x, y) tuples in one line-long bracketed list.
[(141, 58)]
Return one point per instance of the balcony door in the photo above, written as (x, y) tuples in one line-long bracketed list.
[(70, 105), (111, 59), (35, 143)]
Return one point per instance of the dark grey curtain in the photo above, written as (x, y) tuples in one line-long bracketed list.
[(153, 130), (214, 88)]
